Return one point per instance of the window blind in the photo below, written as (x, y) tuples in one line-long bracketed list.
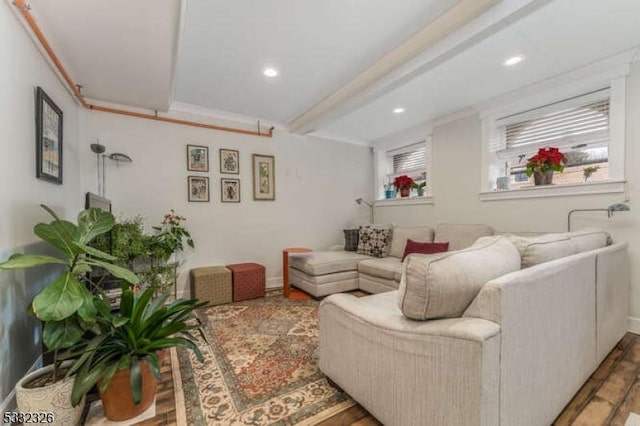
[(583, 120), (411, 160)]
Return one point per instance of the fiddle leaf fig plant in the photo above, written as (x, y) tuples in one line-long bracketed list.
[(65, 305)]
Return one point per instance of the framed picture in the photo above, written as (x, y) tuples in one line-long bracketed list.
[(264, 177), (230, 190), (198, 188), (48, 138), (197, 158), (229, 161)]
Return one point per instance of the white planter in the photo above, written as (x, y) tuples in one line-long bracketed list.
[(54, 398)]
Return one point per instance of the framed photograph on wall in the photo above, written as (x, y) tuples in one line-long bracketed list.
[(229, 161), (48, 138), (230, 190), (197, 158), (264, 177), (198, 187)]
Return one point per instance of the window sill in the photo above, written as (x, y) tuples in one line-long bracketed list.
[(606, 187), (411, 201)]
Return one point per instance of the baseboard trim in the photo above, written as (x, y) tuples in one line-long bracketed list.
[(634, 325), (9, 403)]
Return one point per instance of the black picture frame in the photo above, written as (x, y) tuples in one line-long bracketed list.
[(229, 161), (49, 124), (197, 158), (229, 190), (198, 189)]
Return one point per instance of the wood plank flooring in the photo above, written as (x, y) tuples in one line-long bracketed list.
[(607, 398)]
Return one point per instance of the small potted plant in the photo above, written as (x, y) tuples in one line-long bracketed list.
[(403, 185), (122, 354), (544, 163), (419, 187), (65, 307)]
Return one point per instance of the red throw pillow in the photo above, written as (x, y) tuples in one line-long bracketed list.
[(424, 248)]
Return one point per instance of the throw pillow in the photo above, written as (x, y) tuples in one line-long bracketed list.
[(423, 248), (373, 240), (350, 239)]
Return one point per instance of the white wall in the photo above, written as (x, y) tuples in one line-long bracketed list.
[(317, 182), (22, 70), (456, 183)]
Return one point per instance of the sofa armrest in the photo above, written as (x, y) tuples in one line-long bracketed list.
[(408, 372)]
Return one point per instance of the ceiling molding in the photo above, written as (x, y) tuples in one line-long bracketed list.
[(189, 109), (438, 29), (340, 138)]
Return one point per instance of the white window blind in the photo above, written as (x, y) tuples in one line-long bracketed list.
[(583, 120), (410, 160)]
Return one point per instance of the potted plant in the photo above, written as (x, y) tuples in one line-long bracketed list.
[(65, 307), (419, 187), (544, 163), (122, 355), (403, 185), (171, 236)]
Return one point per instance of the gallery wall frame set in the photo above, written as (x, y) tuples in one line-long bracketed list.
[(229, 161), (49, 126), (264, 177), (198, 189)]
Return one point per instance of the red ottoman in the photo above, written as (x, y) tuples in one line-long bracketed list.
[(248, 281)]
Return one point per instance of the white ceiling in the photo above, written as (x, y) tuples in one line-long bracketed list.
[(317, 46), (120, 51), (125, 52), (561, 36)]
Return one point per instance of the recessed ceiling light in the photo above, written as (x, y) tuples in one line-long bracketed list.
[(398, 110), (270, 72), (513, 60)]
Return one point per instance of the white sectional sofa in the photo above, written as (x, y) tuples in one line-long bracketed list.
[(327, 272), (472, 339)]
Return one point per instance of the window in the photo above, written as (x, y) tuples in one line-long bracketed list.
[(412, 160), (587, 127), (578, 126)]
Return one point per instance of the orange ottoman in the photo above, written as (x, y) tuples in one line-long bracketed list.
[(248, 281)]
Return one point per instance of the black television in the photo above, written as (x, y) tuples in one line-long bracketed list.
[(94, 200)]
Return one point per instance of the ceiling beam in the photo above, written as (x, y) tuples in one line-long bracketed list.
[(438, 29)]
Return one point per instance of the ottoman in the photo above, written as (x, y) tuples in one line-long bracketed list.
[(248, 281), (211, 284)]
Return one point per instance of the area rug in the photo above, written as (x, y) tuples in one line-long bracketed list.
[(260, 368)]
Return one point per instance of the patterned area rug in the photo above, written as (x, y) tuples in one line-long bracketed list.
[(261, 367)]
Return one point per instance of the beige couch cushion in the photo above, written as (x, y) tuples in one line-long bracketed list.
[(325, 262), (423, 234), (388, 267), (443, 285), (589, 239), (542, 249), (460, 236)]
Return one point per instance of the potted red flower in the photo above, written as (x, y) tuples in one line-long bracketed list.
[(544, 163), (403, 184)]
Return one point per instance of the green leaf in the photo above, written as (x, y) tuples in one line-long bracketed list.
[(93, 222), (119, 321), (135, 376), (126, 302), (19, 261), (154, 364), (93, 251), (117, 271), (108, 375), (88, 310), (60, 299), (61, 334), (59, 234), (81, 269)]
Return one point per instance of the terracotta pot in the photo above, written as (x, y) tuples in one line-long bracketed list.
[(545, 178), (54, 398), (405, 191), (117, 399)]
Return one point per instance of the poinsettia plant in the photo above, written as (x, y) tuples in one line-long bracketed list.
[(403, 181), (545, 160)]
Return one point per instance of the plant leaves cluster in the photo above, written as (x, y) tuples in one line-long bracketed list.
[(143, 327)]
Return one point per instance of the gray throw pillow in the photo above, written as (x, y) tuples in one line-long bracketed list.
[(350, 239)]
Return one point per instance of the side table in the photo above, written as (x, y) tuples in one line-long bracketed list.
[(292, 294)]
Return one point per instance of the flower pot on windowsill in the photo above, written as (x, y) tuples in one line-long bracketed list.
[(543, 178), (405, 192)]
